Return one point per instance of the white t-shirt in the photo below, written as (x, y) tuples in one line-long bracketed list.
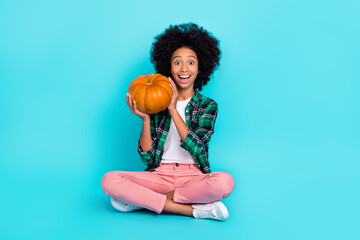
[(173, 153)]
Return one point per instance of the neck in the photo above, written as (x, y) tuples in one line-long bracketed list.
[(185, 94)]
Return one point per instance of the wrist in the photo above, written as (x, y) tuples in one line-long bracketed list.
[(146, 119), (172, 110)]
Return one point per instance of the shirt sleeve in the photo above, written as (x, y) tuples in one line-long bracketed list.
[(198, 138), (148, 157)]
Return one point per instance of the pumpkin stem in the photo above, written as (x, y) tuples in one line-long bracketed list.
[(149, 80)]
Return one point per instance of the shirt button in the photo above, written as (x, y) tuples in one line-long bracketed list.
[(176, 164)]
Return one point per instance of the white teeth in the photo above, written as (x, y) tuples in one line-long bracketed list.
[(184, 76)]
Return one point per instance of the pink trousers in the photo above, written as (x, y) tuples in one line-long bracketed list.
[(147, 189)]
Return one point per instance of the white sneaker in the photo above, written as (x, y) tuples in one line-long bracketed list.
[(123, 207), (215, 210)]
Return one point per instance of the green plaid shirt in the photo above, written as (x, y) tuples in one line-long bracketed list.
[(200, 116)]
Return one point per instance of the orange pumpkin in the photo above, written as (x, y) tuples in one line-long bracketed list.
[(151, 93)]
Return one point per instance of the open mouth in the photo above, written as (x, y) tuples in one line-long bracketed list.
[(184, 78)]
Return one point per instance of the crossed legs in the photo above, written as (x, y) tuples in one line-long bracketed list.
[(151, 191)]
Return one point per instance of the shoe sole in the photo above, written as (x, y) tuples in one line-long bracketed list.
[(119, 206)]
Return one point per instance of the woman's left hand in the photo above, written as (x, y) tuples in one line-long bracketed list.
[(175, 96)]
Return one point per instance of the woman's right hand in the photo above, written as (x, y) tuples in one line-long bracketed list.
[(132, 105)]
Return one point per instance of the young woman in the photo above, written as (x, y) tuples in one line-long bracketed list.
[(174, 143)]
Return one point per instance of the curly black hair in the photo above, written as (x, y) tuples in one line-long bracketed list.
[(188, 35)]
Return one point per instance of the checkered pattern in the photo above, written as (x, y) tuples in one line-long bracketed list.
[(200, 116)]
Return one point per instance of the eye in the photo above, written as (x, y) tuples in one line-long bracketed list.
[(177, 63), (191, 62)]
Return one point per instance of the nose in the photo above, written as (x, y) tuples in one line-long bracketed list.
[(183, 68)]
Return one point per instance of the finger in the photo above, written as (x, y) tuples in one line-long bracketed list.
[(128, 99), (172, 84), (137, 111), (172, 81), (131, 104), (134, 106), (174, 89), (174, 92)]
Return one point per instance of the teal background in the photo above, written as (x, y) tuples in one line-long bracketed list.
[(288, 125)]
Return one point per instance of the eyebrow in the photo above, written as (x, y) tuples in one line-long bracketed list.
[(187, 56)]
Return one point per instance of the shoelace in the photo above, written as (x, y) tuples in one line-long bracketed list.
[(207, 213)]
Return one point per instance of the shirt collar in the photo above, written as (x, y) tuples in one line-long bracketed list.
[(195, 98)]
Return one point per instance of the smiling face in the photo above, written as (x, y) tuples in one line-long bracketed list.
[(184, 68)]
